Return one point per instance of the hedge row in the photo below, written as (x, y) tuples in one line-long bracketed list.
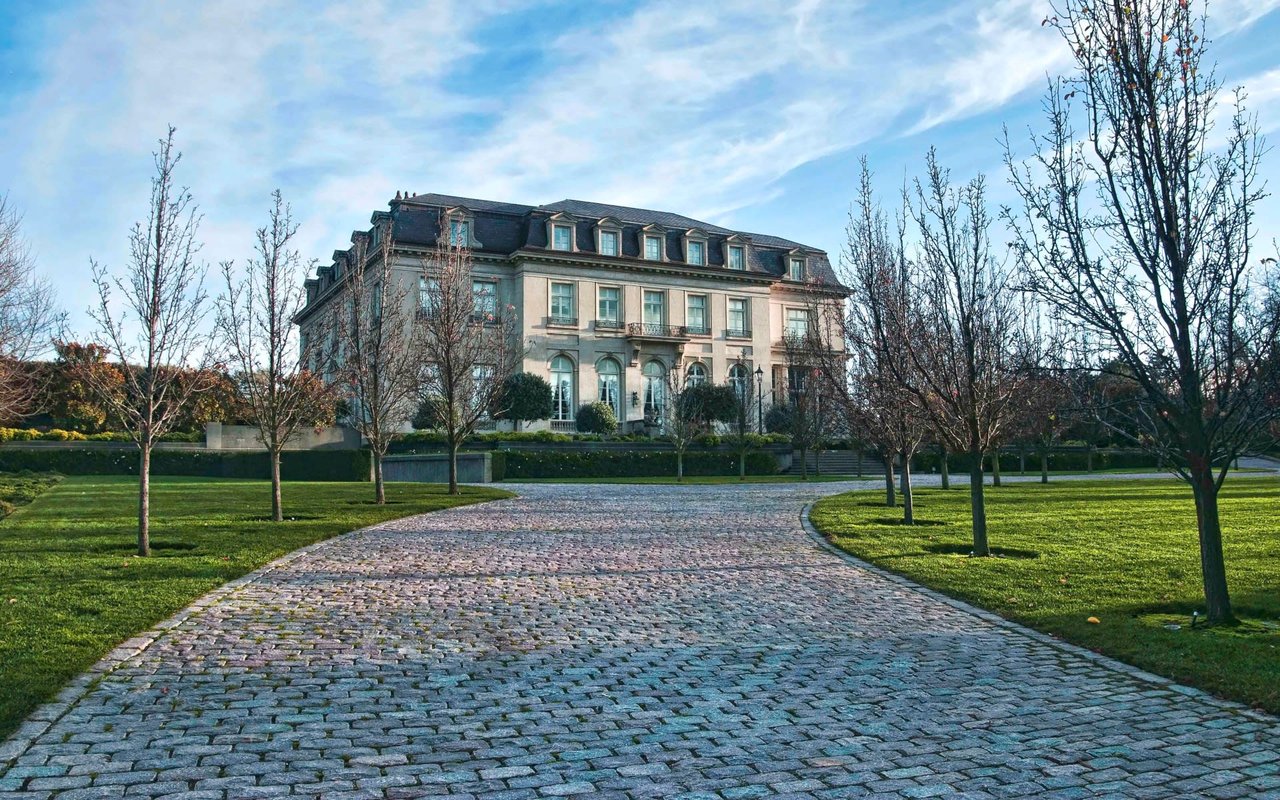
[(59, 435), (309, 465), (412, 442), (1060, 460), (519, 464)]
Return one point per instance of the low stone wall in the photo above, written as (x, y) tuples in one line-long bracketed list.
[(434, 468), (218, 436)]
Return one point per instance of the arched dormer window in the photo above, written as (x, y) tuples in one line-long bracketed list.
[(653, 243), (609, 236), (562, 233), (797, 266), (735, 252), (695, 247), (459, 224)]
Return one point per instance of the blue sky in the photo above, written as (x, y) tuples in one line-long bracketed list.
[(743, 113)]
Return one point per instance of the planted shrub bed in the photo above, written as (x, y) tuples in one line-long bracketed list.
[(518, 464), (302, 465)]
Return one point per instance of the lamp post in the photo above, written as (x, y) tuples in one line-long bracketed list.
[(760, 400)]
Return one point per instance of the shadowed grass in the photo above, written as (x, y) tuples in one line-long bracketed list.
[(72, 588), (1123, 552)]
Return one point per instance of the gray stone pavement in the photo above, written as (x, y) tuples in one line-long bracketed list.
[(623, 642)]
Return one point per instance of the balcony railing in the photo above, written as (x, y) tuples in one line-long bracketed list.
[(486, 319), (610, 325), (737, 333), (655, 331), (562, 321), (698, 330)]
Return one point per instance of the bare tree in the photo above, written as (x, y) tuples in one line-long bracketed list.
[(157, 324), (467, 348), (29, 317), (376, 351), (1139, 230), (681, 415), (255, 319), (744, 384), (967, 352)]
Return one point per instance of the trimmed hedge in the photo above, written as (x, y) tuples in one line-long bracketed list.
[(59, 435), (519, 464), (302, 465), (1059, 460)]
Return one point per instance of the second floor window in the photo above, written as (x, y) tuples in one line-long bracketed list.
[(654, 307), (428, 291), (797, 323), (608, 243), (739, 324), (485, 295), (737, 258), (459, 232), (797, 269), (562, 306), (610, 304), (696, 318), (653, 248), (697, 253), (562, 237)]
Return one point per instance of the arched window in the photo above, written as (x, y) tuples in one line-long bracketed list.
[(609, 385), (655, 376), (562, 389), (696, 375), (740, 379)]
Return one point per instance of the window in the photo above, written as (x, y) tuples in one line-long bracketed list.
[(609, 385), (485, 297), (561, 388), (697, 253), (740, 379), (459, 232), (655, 311), (653, 248), (610, 305), (608, 243), (696, 316), (481, 378), (696, 375), (562, 237), (375, 303), (739, 324), (654, 385), (796, 383), (428, 292), (797, 323), (562, 306), (737, 257), (797, 269)]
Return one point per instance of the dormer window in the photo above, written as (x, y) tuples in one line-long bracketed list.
[(652, 248), (697, 253), (796, 272), (737, 257), (561, 238), (608, 243)]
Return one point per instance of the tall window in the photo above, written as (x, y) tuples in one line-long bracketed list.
[(737, 257), (797, 323), (654, 385), (655, 312), (697, 253), (428, 291), (696, 315), (485, 297), (562, 305), (696, 374), (740, 379), (481, 375), (562, 237), (610, 302), (653, 248), (797, 269), (459, 232), (609, 385), (739, 324), (608, 243), (561, 388)]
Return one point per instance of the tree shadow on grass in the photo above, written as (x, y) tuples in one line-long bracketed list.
[(967, 549)]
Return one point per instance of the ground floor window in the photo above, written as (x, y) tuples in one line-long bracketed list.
[(561, 388), (609, 384), (655, 376)]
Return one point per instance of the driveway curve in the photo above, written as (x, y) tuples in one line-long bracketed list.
[(624, 642)]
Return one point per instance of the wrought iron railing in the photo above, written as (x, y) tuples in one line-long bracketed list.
[(610, 325), (556, 319), (737, 333), (655, 330), (698, 330)]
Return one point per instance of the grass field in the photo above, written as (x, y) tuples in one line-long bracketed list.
[(72, 588), (1123, 552)]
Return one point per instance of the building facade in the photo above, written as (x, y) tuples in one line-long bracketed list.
[(607, 299)]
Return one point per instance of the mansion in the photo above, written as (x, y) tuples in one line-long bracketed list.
[(609, 299)]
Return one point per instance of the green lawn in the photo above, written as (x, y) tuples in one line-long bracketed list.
[(1124, 552), (72, 588), (692, 480)]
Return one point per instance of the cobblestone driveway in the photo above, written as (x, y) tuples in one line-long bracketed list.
[(629, 642)]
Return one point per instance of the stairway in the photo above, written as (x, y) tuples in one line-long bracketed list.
[(838, 462)]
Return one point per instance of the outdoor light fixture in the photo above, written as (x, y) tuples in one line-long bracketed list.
[(635, 399)]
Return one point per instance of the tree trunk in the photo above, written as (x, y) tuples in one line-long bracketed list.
[(977, 503), (144, 501), (995, 468), (1089, 458), (742, 465), (946, 470), (804, 464), (1212, 564), (1022, 459), (1044, 465), (379, 489), (859, 463), (453, 467), (277, 510), (908, 504), (890, 499), (680, 466)]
